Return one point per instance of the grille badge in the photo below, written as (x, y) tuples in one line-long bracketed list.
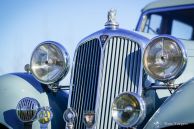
[(89, 119), (103, 39)]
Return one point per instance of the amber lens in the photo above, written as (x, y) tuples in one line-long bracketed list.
[(127, 109)]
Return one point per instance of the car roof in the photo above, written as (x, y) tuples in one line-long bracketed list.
[(166, 3)]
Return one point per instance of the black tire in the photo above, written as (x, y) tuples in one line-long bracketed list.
[(3, 126)]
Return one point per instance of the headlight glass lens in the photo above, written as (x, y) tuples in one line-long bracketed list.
[(128, 109), (49, 62), (164, 58)]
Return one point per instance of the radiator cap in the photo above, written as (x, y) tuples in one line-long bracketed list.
[(111, 20)]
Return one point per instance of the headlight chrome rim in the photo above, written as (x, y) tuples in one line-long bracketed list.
[(142, 106), (183, 52), (66, 65)]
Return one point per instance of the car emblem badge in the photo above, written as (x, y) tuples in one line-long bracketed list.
[(44, 116), (89, 119), (103, 39)]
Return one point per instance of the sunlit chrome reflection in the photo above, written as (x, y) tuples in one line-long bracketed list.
[(164, 58), (128, 109), (49, 62)]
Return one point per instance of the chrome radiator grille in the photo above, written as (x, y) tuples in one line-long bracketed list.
[(120, 73), (85, 79)]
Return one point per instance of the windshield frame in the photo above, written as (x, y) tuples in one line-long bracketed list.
[(143, 16)]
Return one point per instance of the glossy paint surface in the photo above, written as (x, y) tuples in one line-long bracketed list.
[(14, 87), (176, 110)]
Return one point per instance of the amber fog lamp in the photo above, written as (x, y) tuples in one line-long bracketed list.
[(128, 110), (44, 116), (49, 62), (164, 58), (27, 109)]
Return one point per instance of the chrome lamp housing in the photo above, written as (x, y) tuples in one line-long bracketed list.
[(165, 58), (128, 109), (49, 62), (44, 116), (27, 109)]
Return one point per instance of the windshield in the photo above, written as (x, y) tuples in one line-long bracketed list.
[(178, 23)]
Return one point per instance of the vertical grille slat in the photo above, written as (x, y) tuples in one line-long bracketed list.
[(90, 80), (79, 88), (110, 82), (133, 69), (138, 67), (120, 73), (117, 72), (113, 80), (105, 82), (85, 73), (85, 79)]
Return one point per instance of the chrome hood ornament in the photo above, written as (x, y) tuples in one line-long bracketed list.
[(111, 23)]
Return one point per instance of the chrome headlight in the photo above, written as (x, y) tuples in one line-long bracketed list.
[(164, 58), (27, 109), (49, 62), (128, 109)]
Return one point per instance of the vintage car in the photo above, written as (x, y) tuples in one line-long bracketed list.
[(119, 78)]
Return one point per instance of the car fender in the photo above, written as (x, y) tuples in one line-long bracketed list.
[(15, 86), (177, 110)]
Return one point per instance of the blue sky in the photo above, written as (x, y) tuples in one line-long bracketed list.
[(26, 23)]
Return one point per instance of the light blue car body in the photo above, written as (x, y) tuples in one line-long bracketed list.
[(15, 86), (177, 110)]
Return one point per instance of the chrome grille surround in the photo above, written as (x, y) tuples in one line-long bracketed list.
[(112, 33)]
